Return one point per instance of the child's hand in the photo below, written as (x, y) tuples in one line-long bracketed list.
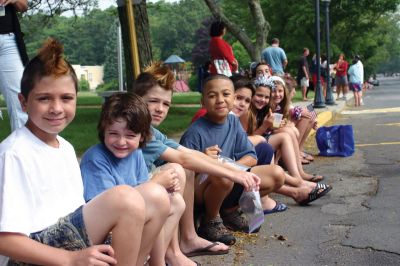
[(248, 180), (269, 119), (305, 113), (168, 179), (213, 151), (94, 255)]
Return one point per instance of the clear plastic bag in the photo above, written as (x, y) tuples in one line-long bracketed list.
[(250, 203)]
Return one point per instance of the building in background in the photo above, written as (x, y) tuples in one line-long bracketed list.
[(93, 74)]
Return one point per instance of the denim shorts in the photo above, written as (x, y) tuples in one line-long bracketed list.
[(68, 233)]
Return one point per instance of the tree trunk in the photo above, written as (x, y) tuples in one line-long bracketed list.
[(262, 27), (142, 36)]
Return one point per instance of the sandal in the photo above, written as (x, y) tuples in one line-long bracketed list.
[(304, 160), (279, 207), (319, 191)]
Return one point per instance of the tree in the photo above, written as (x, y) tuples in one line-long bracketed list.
[(52, 7), (111, 54), (262, 27)]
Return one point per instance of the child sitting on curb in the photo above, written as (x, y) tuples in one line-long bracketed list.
[(218, 133), (43, 216), (124, 128)]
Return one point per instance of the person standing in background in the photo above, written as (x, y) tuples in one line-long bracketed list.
[(303, 73), (356, 78), (275, 57), (13, 57), (341, 81), (220, 51)]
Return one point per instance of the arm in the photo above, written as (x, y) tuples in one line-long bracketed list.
[(305, 71), (20, 5), (22, 248), (284, 63), (201, 163)]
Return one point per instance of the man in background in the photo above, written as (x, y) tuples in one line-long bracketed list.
[(275, 57)]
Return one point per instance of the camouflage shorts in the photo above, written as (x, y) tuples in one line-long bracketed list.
[(68, 233)]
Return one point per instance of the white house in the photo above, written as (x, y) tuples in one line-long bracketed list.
[(93, 74)]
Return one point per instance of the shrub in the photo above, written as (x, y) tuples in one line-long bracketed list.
[(83, 85)]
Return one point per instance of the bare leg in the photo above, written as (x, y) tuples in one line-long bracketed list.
[(212, 192), (121, 211), (156, 199), (189, 239), (283, 142), (304, 126), (303, 174), (338, 90), (272, 177)]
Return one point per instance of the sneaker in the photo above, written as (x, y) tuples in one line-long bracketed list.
[(236, 221), (215, 231)]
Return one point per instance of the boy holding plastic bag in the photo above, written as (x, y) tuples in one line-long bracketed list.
[(220, 134)]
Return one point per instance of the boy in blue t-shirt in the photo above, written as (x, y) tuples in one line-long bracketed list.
[(218, 132), (124, 128)]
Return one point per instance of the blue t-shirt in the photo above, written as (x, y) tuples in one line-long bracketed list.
[(274, 56), (101, 170), (155, 147), (230, 137)]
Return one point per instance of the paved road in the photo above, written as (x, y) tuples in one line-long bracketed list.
[(358, 222)]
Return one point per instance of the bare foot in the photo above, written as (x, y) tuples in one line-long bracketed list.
[(178, 259), (267, 203), (197, 243)]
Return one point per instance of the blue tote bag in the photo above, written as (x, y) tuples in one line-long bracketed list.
[(336, 140)]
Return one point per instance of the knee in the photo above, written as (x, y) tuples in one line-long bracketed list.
[(177, 204), (157, 199), (278, 176), (180, 172), (223, 184), (127, 200)]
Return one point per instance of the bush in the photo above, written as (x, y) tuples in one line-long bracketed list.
[(193, 82), (83, 85), (108, 86)]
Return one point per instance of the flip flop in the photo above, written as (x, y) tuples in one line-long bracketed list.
[(279, 207), (304, 160), (319, 191), (206, 251)]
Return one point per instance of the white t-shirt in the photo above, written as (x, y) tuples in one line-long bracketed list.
[(38, 183)]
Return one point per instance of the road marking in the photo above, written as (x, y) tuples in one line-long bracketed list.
[(378, 144), (389, 124), (372, 111)]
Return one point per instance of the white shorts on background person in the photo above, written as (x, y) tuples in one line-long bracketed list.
[(11, 70), (304, 82)]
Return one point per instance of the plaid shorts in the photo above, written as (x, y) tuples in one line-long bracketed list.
[(68, 233)]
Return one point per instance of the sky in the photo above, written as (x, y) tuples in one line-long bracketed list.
[(103, 4)]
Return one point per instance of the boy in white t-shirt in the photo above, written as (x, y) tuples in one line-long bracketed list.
[(43, 219)]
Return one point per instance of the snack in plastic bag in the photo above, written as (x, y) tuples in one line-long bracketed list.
[(250, 203)]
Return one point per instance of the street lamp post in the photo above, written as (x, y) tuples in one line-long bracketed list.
[(329, 97), (319, 101)]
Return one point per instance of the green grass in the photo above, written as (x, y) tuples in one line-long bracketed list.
[(186, 98)]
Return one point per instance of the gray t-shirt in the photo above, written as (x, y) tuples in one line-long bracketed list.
[(230, 137), (155, 147)]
